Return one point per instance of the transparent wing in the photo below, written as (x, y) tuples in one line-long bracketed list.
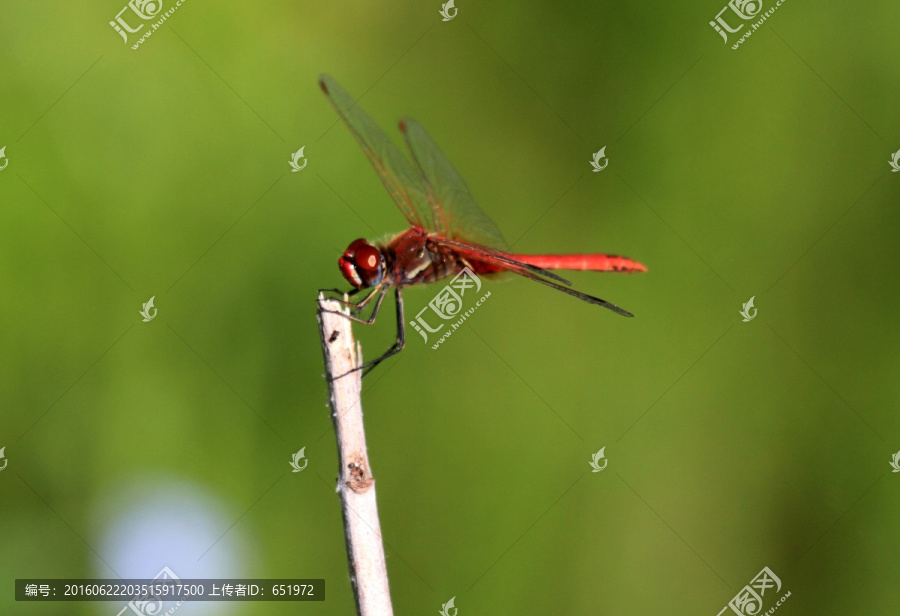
[(487, 261), (403, 182), (453, 210)]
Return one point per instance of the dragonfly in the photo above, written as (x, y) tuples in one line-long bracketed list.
[(448, 231)]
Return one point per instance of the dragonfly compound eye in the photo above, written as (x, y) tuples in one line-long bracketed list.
[(361, 264), (368, 258)]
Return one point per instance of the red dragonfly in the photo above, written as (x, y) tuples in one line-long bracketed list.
[(448, 230)]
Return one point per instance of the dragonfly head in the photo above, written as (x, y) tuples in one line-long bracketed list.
[(362, 264)]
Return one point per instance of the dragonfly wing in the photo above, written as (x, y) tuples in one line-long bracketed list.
[(491, 261), (402, 180), (453, 210)]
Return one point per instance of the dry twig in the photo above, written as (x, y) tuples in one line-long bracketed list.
[(356, 487)]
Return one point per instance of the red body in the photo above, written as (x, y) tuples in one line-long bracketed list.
[(416, 256)]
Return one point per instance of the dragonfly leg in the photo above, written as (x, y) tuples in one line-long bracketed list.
[(340, 293), (398, 345), (352, 291), (357, 307)]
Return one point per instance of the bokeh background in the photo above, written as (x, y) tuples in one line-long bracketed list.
[(163, 171)]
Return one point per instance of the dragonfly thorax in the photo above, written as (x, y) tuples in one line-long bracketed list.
[(362, 264)]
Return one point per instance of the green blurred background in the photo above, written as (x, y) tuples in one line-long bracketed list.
[(731, 445)]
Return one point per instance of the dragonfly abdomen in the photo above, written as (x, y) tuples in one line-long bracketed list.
[(588, 262)]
